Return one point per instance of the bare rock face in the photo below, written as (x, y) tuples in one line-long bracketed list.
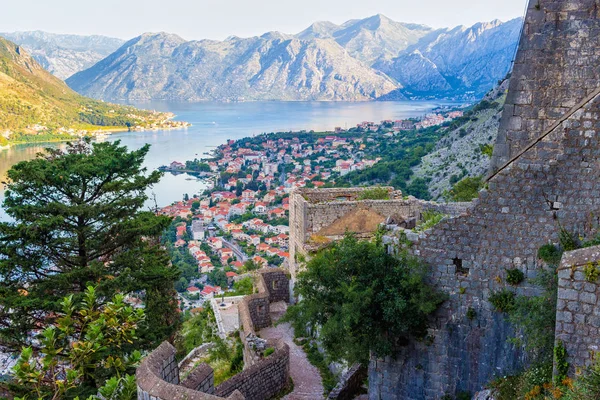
[(461, 62), (64, 55), (371, 39), (271, 67), (459, 153)]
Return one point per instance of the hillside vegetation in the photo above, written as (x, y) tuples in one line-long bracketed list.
[(34, 102)]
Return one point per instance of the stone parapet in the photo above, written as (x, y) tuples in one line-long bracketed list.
[(578, 307), (158, 379)]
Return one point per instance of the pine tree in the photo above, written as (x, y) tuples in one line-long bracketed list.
[(79, 219)]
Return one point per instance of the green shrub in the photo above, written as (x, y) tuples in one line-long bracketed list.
[(466, 190), (514, 276), (269, 351), (503, 300), (429, 219), (486, 149), (591, 272), (471, 313), (376, 193), (560, 360), (237, 361), (550, 254), (568, 241)]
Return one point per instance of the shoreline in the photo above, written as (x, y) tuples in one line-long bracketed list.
[(98, 133)]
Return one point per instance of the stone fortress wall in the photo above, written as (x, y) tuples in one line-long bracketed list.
[(545, 171), (262, 378)]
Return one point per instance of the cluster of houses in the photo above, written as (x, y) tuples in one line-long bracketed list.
[(244, 214), (394, 126)]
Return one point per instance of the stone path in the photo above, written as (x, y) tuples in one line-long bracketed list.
[(306, 377)]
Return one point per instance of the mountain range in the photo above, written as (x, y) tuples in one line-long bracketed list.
[(371, 58)]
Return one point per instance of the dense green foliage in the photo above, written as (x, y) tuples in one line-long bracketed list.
[(375, 193), (363, 300), (502, 300), (242, 287), (466, 189), (514, 276), (79, 219), (550, 254), (535, 317), (89, 347)]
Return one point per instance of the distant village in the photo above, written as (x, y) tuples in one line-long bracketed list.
[(241, 222)]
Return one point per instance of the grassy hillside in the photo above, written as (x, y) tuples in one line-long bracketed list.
[(34, 102)]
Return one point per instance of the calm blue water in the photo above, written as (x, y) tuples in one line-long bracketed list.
[(214, 123)]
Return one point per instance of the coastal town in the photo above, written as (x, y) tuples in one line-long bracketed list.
[(241, 221)]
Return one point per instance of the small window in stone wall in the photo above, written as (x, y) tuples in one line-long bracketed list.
[(460, 270), (275, 284), (261, 309)]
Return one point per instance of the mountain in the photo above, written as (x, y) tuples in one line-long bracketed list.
[(271, 67), (455, 62), (371, 58), (371, 39), (64, 55), (33, 101)]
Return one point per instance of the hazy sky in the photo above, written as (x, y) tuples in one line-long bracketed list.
[(217, 19)]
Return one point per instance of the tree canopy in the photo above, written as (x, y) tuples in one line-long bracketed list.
[(89, 348), (79, 218), (363, 299)]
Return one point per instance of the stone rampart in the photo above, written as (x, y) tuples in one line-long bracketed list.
[(158, 379), (578, 307), (255, 312), (556, 181)]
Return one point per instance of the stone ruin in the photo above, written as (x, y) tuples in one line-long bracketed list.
[(262, 378), (319, 216)]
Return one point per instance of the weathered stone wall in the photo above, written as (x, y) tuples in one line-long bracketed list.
[(557, 180), (261, 381), (157, 378), (275, 282), (578, 308), (350, 384)]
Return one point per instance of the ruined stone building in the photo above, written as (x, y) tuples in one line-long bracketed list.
[(319, 216)]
